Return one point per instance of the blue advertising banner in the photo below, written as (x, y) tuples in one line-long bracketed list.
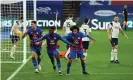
[(102, 15), (48, 9), (47, 12), (96, 2)]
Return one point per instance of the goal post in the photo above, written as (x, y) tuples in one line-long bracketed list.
[(24, 26)]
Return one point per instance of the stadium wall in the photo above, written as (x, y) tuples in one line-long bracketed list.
[(100, 13)]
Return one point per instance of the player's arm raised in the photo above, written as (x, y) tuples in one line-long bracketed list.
[(63, 28), (123, 33), (108, 31)]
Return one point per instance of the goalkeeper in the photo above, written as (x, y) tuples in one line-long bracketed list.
[(15, 35)]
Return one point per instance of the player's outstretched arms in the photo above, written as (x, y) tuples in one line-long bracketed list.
[(91, 38), (83, 35), (65, 40), (40, 39)]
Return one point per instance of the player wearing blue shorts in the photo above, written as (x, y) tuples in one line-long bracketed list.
[(115, 28), (76, 38), (34, 33), (52, 50)]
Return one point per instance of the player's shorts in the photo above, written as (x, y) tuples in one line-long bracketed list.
[(36, 49), (85, 44), (14, 38), (73, 54), (114, 42), (53, 53)]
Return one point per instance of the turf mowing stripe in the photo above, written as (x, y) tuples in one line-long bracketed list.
[(50, 73), (19, 68)]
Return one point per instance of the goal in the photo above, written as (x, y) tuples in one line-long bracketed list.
[(11, 11)]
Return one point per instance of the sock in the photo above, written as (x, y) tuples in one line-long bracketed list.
[(112, 55), (85, 54), (39, 60), (68, 51), (52, 61), (34, 62), (115, 54), (83, 66), (13, 50), (68, 67), (58, 64)]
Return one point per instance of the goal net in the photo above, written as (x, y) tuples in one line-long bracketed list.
[(11, 11)]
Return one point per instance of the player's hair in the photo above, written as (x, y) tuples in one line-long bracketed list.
[(21, 18), (86, 20), (33, 22), (53, 28), (74, 27), (115, 15), (70, 15)]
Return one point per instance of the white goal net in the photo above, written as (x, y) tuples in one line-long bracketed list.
[(11, 13)]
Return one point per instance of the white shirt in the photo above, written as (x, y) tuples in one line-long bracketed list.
[(67, 24), (17, 27), (115, 28), (85, 29)]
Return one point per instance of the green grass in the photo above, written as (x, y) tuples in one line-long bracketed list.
[(98, 63)]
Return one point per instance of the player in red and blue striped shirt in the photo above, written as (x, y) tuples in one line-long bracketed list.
[(76, 38), (34, 33), (52, 49)]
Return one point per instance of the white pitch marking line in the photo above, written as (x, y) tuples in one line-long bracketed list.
[(19, 68)]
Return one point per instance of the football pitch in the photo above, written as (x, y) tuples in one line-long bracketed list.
[(97, 63)]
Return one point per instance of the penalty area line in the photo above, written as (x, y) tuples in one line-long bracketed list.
[(19, 68)]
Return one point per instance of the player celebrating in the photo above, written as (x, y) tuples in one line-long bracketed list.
[(52, 50), (113, 37), (87, 31), (15, 33), (34, 33), (76, 38)]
